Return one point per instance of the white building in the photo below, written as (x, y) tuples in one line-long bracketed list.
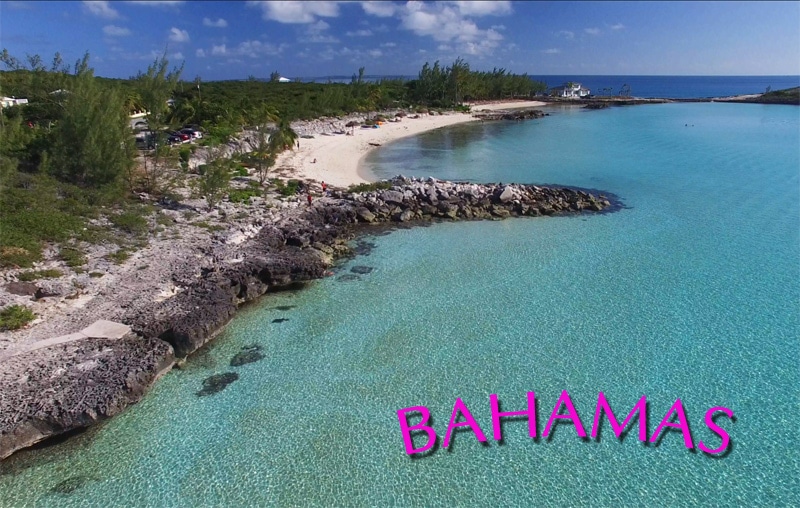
[(284, 80), (570, 90)]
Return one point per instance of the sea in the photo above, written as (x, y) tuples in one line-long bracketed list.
[(690, 292), (647, 87)]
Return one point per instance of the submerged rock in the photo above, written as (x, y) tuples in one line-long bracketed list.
[(71, 484), (248, 354), (217, 383), (362, 270), (348, 278), (280, 320), (284, 307)]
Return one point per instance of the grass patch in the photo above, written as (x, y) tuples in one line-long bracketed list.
[(368, 187), (39, 274), (119, 257), (15, 317), (206, 225), (164, 220), (130, 222), (72, 256)]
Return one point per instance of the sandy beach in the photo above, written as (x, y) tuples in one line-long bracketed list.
[(338, 156)]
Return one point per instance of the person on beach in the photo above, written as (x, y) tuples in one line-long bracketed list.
[(324, 188)]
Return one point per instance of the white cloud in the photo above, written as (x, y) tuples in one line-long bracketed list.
[(314, 33), (379, 9), (483, 8), (156, 3), (220, 23), (101, 9), (618, 26), (565, 34), (551, 51), (444, 47), (178, 35), (447, 22), (359, 33), (200, 53), (177, 56), (388, 45), (116, 31), (375, 53), (252, 49), (592, 31), (295, 12)]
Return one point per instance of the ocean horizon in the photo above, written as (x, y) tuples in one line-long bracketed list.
[(689, 292), (644, 86)]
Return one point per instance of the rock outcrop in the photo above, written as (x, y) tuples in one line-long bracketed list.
[(74, 385)]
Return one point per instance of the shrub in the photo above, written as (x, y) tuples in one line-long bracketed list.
[(243, 195), (368, 187), (130, 222), (119, 257), (287, 189), (40, 274), (15, 317), (72, 256)]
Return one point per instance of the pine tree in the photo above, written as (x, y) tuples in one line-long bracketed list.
[(92, 142)]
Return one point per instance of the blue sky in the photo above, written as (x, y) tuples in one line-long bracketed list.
[(233, 40)]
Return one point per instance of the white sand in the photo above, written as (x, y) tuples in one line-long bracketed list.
[(338, 157)]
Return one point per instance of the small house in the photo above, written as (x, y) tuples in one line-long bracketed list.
[(570, 90)]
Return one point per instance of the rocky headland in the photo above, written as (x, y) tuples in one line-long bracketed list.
[(189, 295)]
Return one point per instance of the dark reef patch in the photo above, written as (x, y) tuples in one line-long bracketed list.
[(280, 320), (217, 383), (348, 278), (248, 354), (362, 270)]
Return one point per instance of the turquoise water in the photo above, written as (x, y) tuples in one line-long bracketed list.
[(691, 292)]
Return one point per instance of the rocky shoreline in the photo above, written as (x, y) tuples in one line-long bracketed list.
[(57, 389)]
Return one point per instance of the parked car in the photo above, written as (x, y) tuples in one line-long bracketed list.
[(175, 139), (193, 133)]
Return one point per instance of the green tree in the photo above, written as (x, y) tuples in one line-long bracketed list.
[(213, 183), (261, 155), (91, 143), (284, 138), (155, 87)]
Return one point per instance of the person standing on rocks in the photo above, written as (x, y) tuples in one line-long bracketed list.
[(309, 198)]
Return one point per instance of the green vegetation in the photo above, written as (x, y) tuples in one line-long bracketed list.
[(39, 274), (209, 227), (286, 189), (15, 317), (72, 256), (68, 157), (130, 222), (119, 257), (368, 187), (243, 195), (788, 96)]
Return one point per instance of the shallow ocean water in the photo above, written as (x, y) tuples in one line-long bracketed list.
[(690, 292)]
